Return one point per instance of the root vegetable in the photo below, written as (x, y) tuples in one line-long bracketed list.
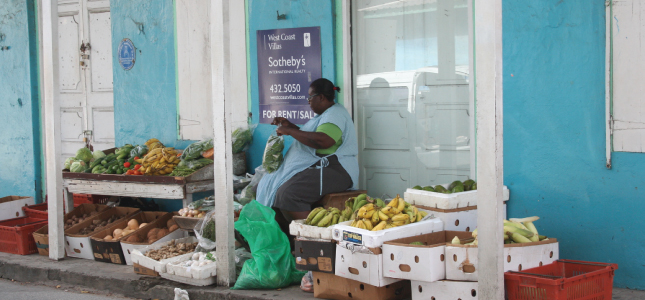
[(142, 225), (133, 224), (173, 228), (108, 238), (117, 232)]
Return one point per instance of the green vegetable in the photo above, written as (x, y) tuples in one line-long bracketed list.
[(195, 150), (209, 230), (139, 151), (84, 154), (68, 162), (78, 167), (98, 154), (241, 138), (96, 162), (273, 153)]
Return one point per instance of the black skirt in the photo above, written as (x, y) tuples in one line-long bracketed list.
[(303, 189)]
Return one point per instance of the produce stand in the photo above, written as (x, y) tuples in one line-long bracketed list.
[(163, 187)]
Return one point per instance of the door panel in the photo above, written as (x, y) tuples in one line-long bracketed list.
[(68, 45), (101, 52)]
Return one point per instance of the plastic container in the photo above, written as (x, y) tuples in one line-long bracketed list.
[(87, 198), (38, 211), (16, 235), (562, 280)]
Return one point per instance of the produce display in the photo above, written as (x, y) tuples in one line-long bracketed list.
[(199, 208), (152, 236), (516, 231), (273, 158), (455, 187), (75, 219), (196, 156), (100, 224), (171, 250), (241, 139), (199, 259), (159, 160), (375, 216)]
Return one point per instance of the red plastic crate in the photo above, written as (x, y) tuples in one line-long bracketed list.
[(87, 198), (562, 280), (16, 235), (38, 211)]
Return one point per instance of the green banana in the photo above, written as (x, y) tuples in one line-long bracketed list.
[(360, 198), (334, 219), (342, 219), (321, 214), (326, 221), (312, 214), (380, 202), (360, 204)]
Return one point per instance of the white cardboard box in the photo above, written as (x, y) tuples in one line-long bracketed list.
[(444, 290), (462, 261), (372, 239), (419, 262), (79, 247), (137, 255), (445, 201), (459, 219), (366, 268), (203, 272), (299, 229), (128, 247), (191, 281), (11, 206)]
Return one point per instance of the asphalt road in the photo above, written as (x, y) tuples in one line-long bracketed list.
[(31, 291)]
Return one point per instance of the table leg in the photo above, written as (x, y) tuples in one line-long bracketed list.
[(188, 199), (68, 200)]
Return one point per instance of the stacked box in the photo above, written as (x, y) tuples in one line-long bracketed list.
[(11, 206), (444, 290), (160, 222), (362, 267), (319, 256), (330, 286)]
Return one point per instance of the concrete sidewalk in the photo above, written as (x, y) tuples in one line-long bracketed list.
[(121, 280)]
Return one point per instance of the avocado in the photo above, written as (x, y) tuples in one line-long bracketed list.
[(417, 243), (417, 187), (439, 188), (428, 188), (474, 187), (458, 189), (454, 184), (468, 184), (447, 192)]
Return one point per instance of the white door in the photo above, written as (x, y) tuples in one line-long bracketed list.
[(85, 49), (412, 105)]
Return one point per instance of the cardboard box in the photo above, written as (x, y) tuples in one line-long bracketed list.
[(199, 273), (337, 200), (41, 237), (298, 228), (416, 262), (330, 286), (362, 267), (462, 261), (110, 251), (372, 239), (315, 255), (138, 255), (444, 290), (83, 209), (141, 270), (191, 281), (445, 201), (11, 206), (160, 222), (458, 219), (79, 245)]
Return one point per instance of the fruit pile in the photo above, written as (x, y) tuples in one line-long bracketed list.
[(516, 231), (160, 160), (375, 217), (455, 187), (326, 217)]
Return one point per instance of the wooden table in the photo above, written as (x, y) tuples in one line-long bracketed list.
[(162, 187)]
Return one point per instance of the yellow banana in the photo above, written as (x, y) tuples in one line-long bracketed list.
[(368, 224), (401, 204), (388, 226), (375, 217), (394, 202), (398, 223), (380, 226), (361, 212), (400, 217), (360, 224), (369, 214), (382, 216), (369, 206), (387, 210)]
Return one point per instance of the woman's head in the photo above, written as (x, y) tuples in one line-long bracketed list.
[(324, 93)]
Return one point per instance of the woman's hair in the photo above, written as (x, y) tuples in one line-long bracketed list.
[(325, 87)]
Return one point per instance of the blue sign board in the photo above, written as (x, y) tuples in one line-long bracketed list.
[(126, 54), (288, 61)]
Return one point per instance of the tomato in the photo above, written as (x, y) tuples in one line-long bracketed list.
[(129, 172), (137, 172), (136, 157), (137, 167), (126, 164)]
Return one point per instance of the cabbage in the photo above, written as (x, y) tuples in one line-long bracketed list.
[(78, 167), (98, 154), (84, 154), (68, 163)]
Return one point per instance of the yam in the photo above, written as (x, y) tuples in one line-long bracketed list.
[(133, 224), (153, 233), (142, 225), (170, 223), (173, 228), (135, 238), (108, 238), (117, 231), (162, 232)]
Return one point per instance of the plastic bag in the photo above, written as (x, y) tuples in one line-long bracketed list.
[(248, 193), (139, 151), (242, 138), (195, 150), (205, 232), (241, 256), (307, 283), (272, 265), (189, 166), (273, 153), (181, 294)]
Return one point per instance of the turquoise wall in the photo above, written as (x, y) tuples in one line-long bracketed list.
[(145, 96), (19, 104), (301, 13), (554, 137)]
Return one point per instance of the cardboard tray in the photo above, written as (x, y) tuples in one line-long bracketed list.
[(299, 229), (160, 222), (462, 260), (315, 256), (11, 206), (344, 232), (139, 258), (362, 267), (110, 251), (420, 262), (444, 289), (445, 201), (41, 237), (186, 223), (138, 269), (197, 273), (190, 281), (330, 286)]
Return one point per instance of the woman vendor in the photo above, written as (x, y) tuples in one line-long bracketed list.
[(321, 160)]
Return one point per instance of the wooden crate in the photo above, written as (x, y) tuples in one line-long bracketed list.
[(337, 200)]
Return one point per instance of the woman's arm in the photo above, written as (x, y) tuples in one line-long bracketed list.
[(316, 140), (284, 122)]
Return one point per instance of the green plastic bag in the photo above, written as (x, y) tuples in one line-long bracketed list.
[(272, 265)]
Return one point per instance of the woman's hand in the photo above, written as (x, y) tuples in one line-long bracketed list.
[(284, 130), (281, 121)]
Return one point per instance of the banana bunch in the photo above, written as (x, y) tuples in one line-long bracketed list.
[(159, 161), (154, 144), (396, 213), (516, 231), (324, 217)]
